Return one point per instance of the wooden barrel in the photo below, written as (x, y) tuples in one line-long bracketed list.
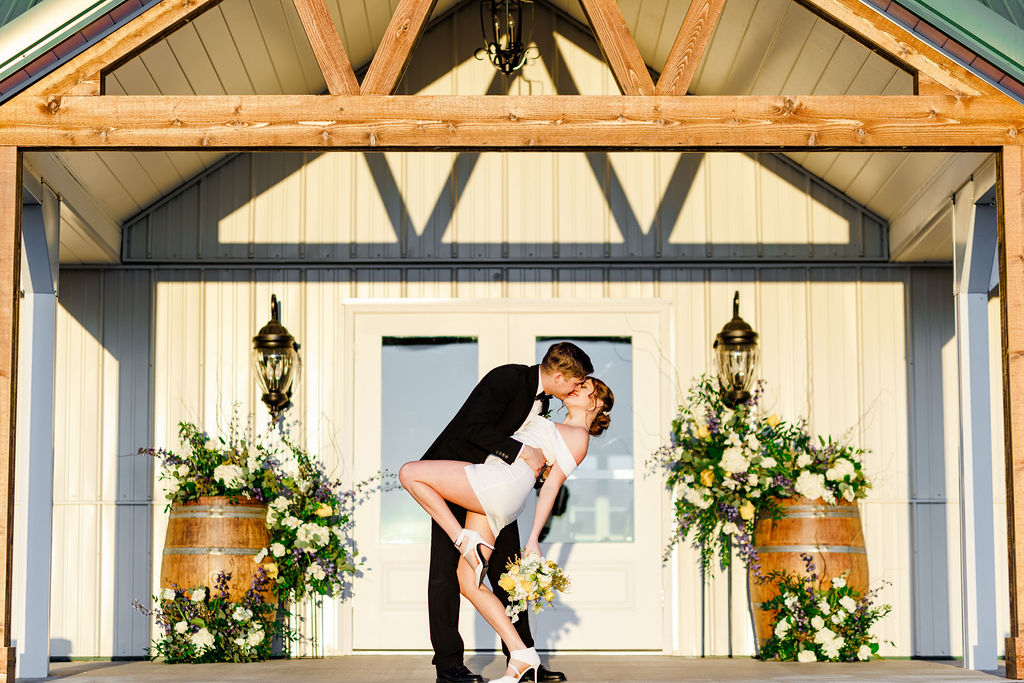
[(831, 534), (211, 535)]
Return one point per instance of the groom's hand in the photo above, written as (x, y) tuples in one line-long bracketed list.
[(533, 457)]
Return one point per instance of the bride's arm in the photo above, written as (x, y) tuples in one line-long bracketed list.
[(545, 501)]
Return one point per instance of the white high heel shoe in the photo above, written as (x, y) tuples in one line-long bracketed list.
[(468, 542), (531, 662)]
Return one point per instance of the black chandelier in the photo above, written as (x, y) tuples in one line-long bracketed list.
[(504, 31), (275, 360), (736, 355)]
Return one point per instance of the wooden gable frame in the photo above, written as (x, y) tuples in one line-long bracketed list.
[(954, 109)]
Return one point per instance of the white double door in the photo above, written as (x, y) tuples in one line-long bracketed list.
[(412, 367)]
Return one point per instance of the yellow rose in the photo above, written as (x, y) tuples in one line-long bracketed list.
[(707, 477), (703, 432), (773, 420), (506, 583), (747, 510), (324, 510), (549, 596), (271, 569)]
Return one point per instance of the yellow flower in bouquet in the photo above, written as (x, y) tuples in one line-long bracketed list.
[(707, 477), (531, 581)]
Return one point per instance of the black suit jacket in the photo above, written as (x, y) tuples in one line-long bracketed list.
[(495, 409)]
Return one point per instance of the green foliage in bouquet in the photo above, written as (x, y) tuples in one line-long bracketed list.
[(236, 467), (813, 623), (309, 521), (727, 465), (199, 624)]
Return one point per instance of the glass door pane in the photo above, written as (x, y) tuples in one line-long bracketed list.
[(424, 381)]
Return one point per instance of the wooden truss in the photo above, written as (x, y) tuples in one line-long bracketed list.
[(953, 109)]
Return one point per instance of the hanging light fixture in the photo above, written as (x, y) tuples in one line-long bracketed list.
[(504, 31), (275, 359), (736, 355)]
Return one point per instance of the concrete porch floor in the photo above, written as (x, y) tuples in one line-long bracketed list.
[(579, 668)]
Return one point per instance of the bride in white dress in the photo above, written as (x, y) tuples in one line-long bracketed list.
[(494, 494)]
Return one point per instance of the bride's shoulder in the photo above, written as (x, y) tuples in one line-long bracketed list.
[(575, 438)]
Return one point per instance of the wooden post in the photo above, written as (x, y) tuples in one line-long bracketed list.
[(10, 278), (1011, 307)]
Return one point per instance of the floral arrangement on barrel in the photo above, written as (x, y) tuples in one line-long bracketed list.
[(728, 465), (308, 522), (820, 624)]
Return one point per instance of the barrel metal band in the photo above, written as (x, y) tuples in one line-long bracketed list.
[(811, 513), (207, 512), (211, 551), (812, 549)]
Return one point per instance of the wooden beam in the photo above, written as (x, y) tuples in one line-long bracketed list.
[(880, 32), (618, 46), (1011, 307), (10, 282), (694, 34), (82, 75), (401, 37), (923, 85), (330, 53), (750, 122)]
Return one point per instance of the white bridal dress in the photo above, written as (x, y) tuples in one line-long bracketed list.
[(502, 489)]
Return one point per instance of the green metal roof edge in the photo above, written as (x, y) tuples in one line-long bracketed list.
[(979, 28), (33, 26)]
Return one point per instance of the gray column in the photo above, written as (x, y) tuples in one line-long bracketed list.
[(34, 472), (974, 248)]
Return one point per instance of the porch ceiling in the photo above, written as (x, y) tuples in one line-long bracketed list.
[(259, 47)]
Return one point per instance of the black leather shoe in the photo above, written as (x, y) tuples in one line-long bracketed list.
[(458, 673), (549, 675)]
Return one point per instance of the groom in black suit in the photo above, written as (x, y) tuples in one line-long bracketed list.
[(484, 425)]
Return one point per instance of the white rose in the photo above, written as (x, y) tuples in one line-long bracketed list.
[(303, 485), (198, 595), (232, 475), (316, 571), (789, 601), (730, 528), (848, 603), (729, 483), (782, 628), (277, 549), (803, 460), (806, 656), (202, 639), (180, 627), (823, 607), (255, 637), (240, 642), (751, 480), (838, 617), (828, 496), (734, 461), (863, 652), (840, 469), (181, 470), (847, 492), (810, 485), (280, 504), (839, 582), (818, 623), (291, 522), (241, 614), (768, 462), (260, 555), (168, 594)]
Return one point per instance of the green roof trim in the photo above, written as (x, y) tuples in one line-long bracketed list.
[(991, 35)]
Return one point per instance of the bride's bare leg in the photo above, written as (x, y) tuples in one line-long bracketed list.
[(432, 482), (486, 602)]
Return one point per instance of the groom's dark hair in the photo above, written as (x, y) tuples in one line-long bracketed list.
[(568, 359)]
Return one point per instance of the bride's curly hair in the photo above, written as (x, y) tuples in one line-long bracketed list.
[(603, 393)]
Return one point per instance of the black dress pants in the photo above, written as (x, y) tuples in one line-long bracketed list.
[(443, 590)]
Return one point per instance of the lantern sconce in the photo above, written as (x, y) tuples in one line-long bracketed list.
[(506, 36), (275, 360), (736, 354)]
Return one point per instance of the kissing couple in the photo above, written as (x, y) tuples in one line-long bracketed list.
[(474, 481)]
